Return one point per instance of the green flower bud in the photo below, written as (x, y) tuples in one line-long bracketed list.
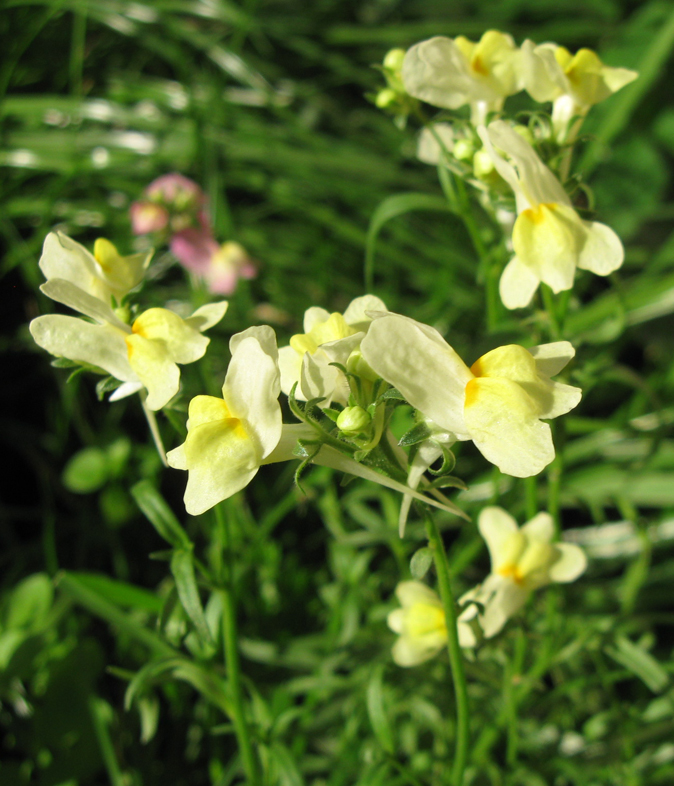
[(123, 313), (353, 421), (483, 166), (393, 60), (386, 98), (356, 364), (464, 149)]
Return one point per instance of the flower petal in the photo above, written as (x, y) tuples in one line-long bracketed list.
[(321, 380), (518, 284), (207, 316), (507, 600), (411, 592), (502, 420), (78, 340), (221, 461), (428, 148), (415, 359), (314, 316), (252, 386), (552, 358), (571, 563), (411, 651), (535, 177), (603, 251), (63, 257), (541, 528), (548, 239), (290, 367), (436, 71), (496, 527), (356, 312), (70, 295), (155, 368), (538, 70), (182, 342), (555, 398)]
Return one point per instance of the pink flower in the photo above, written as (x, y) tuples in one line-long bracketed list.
[(177, 192), (194, 248), (147, 217), (227, 265)]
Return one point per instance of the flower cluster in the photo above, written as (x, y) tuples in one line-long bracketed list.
[(453, 72), (522, 560), (140, 350), (545, 234), (175, 209)]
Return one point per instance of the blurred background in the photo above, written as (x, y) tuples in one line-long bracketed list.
[(265, 104)]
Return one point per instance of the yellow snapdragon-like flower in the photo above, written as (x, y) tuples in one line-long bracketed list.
[(327, 338), (144, 354), (228, 438), (452, 72), (103, 274), (574, 83), (498, 403), (421, 625), (522, 560), (549, 238)]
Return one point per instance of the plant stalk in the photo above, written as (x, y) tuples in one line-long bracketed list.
[(232, 662), (455, 655)]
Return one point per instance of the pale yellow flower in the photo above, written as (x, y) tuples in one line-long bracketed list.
[(574, 83), (103, 274), (421, 625), (228, 438), (327, 338), (144, 354), (522, 560), (549, 238), (499, 402), (452, 72)]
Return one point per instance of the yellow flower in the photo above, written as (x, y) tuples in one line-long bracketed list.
[(549, 238), (498, 403), (450, 73), (421, 625), (522, 560), (103, 274), (229, 438), (144, 354), (574, 83), (327, 338)]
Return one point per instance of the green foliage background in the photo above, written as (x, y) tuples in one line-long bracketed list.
[(263, 103)]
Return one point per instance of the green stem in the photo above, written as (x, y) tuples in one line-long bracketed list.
[(232, 653), (455, 655), (555, 329), (154, 428), (531, 497)]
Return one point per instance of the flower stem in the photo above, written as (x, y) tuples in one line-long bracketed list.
[(232, 652), (154, 428), (455, 656)]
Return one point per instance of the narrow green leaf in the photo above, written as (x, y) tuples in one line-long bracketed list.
[(376, 710), (640, 662), (416, 434), (159, 514), (119, 592), (391, 207), (100, 606), (182, 567)]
